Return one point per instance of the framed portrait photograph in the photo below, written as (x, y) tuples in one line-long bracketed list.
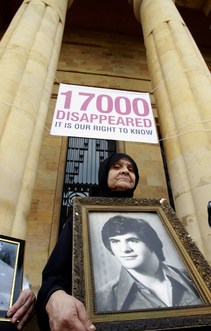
[(11, 272), (135, 267)]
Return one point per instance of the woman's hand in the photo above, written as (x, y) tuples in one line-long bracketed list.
[(67, 313), (23, 309)]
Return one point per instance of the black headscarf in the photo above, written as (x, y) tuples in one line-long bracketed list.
[(103, 176)]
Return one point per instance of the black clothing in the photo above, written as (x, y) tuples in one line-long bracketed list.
[(7, 326), (57, 274)]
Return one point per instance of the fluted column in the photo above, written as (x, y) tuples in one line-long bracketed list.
[(29, 54), (182, 90)]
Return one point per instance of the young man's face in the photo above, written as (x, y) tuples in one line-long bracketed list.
[(131, 252), (121, 176)]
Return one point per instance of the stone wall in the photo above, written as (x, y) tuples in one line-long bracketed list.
[(100, 60)]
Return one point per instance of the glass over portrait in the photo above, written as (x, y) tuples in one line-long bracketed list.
[(134, 264), (11, 260)]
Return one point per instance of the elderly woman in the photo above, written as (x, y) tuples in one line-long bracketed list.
[(57, 309)]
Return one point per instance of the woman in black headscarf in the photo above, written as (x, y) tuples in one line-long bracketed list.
[(118, 177), (116, 161)]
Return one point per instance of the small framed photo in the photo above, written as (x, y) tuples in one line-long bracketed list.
[(135, 267), (11, 272)]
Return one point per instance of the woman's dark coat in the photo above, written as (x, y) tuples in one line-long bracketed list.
[(57, 274)]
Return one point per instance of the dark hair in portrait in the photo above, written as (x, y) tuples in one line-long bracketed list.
[(119, 225)]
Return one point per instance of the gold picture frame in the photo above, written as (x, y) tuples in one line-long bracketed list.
[(92, 268), (11, 273)]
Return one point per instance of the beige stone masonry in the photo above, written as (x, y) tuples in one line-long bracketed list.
[(29, 54), (182, 88)]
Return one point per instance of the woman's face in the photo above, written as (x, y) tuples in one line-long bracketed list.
[(121, 176)]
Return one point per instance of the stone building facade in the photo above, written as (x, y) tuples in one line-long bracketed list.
[(38, 54)]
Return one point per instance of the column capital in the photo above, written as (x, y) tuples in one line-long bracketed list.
[(136, 8), (150, 13), (59, 6)]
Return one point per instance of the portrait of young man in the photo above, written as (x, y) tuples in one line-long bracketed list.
[(136, 265)]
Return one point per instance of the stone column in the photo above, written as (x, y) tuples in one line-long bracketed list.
[(29, 54), (182, 89)]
